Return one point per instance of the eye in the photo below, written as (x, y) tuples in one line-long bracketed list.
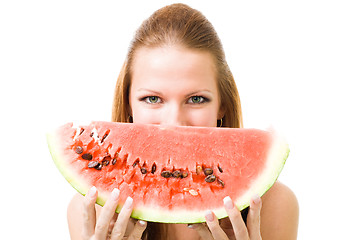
[(197, 99), (152, 99)]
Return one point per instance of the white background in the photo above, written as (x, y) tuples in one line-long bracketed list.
[(292, 62)]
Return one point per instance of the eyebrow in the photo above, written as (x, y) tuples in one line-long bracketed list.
[(148, 90), (159, 93)]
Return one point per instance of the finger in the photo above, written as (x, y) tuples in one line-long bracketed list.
[(89, 213), (123, 219), (213, 225), (202, 230), (138, 230), (106, 215), (239, 227), (253, 221)]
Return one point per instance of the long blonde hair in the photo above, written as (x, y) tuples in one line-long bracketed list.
[(178, 24)]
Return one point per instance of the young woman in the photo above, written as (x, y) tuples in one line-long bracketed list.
[(176, 74)]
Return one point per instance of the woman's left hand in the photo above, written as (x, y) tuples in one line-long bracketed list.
[(233, 227)]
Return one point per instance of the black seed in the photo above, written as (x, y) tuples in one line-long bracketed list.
[(106, 161), (91, 135), (184, 174), (93, 164), (114, 161), (176, 174), (104, 137), (154, 168), (82, 129), (87, 156), (220, 169), (78, 149), (99, 166), (166, 174), (220, 182), (208, 171), (143, 170), (210, 178), (135, 163)]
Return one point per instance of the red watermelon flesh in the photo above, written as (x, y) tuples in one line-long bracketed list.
[(174, 174)]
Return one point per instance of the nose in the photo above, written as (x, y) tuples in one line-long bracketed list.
[(174, 116)]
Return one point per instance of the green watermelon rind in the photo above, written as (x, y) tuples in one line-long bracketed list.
[(276, 159)]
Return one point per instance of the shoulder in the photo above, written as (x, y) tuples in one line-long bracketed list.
[(280, 213)]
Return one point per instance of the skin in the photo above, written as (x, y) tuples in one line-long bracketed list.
[(175, 86)]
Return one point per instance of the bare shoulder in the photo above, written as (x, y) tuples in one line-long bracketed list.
[(280, 213)]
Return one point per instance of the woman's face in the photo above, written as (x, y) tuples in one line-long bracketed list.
[(174, 86)]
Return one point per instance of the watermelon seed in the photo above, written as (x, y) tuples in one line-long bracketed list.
[(87, 156), (104, 137), (166, 174), (154, 168), (184, 174), (114, 161), (176, 174), (106, 161), (210, 178), (135, 163), (93, 164), (198, 170), (143, 170), (79, 149), (91, 135), (220, 169), (193, 192), (208, 171), (81, 131), (99, 166), (220, 182)]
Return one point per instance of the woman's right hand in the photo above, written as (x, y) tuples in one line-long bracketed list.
[(107, 226)]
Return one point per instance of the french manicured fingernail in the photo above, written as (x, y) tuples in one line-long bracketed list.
[(256, 199), (92, 192), (128, 202), (115, 194), (209, 216), (142, 223), (228, 203), (191, 226)]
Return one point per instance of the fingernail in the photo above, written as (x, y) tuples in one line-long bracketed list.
[(209, 216), (142, 223), (256, 199), (92, 191), (191, 226), (115, 194), (128, 202), (228, 203)]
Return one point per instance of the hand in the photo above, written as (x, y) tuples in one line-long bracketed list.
[(109, 225), (234, 226)]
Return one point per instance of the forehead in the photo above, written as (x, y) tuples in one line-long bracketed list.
[(173, 64)]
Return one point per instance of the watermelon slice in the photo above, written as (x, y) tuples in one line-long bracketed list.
[(174, 174)]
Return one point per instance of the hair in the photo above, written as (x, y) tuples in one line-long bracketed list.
[(178, 25)]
